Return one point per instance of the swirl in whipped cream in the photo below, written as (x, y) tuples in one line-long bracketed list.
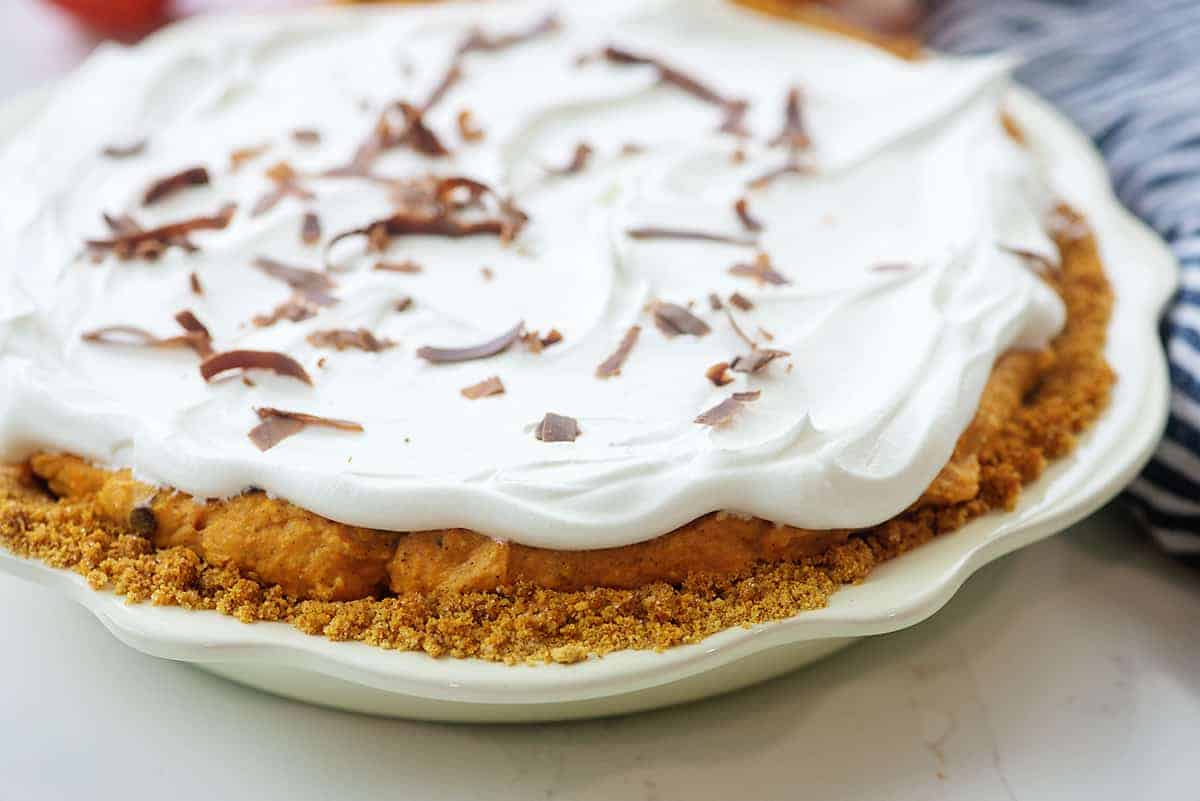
[(886, 366)]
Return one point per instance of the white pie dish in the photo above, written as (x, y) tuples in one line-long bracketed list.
[(279, 659)]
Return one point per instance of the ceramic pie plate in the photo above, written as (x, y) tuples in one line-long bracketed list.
[(277, 658)]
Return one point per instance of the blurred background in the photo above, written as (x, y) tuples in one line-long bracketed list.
[(42, 39)]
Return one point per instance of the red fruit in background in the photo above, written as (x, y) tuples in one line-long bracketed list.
[(121, 19)]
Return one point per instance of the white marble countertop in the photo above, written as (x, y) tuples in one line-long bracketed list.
[(1070, 670)]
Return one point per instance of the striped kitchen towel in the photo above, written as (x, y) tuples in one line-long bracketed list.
[(1128, 73)]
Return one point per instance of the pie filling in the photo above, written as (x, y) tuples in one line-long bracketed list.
[(492, 333), (260, 558)]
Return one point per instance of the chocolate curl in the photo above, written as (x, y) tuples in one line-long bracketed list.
[(684, 233), (164, 188), (726, 410), (674, 320), (286, 185), (440, 208), (612, 365), (278, 424), (151, 243), (483, 350), (734, 110), (279, 363)]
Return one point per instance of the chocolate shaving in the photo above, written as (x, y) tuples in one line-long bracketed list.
[(761, 270), (557, 428), (281, 172), (681, 233), (189, 322), (195, 336), (277, 425), (380, 232), (756, 360), (579, 161), (714, 301), (400, 124), (199, 339), (121, 224), (312, 284), (343, 338), (467, 129), (312, 292), (482, 351), (244, 154), (765, 334), (737, 329), (295, 309), (310, 228), (161, 189), (130, 335), (450, 78), (487, 273), (512, 220), (674, 320), (286, 184), (459, 192), (719, 374), (124, 225), (125, 151), (743, 212), (485, 388), (150, 243), (1041, 264), (725, 411), (632, 149), (794, 134), (452, 207), (265, 412), (537, 343), (274, 430), (480, 42), (279, 363), (417, 135), (612, 365), (406, 266), (403, 303), (306, 136), (740, 301), (127, 335), (194, 283), (769, 176), (734, 110)]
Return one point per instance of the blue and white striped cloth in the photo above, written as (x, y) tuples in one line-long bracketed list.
[(1128, 73)]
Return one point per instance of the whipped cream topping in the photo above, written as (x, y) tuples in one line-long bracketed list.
[(909, 167)]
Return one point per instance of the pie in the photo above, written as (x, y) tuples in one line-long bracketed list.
[(494, 334)]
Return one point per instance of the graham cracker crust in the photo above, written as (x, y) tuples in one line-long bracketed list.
[(516, 620)]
